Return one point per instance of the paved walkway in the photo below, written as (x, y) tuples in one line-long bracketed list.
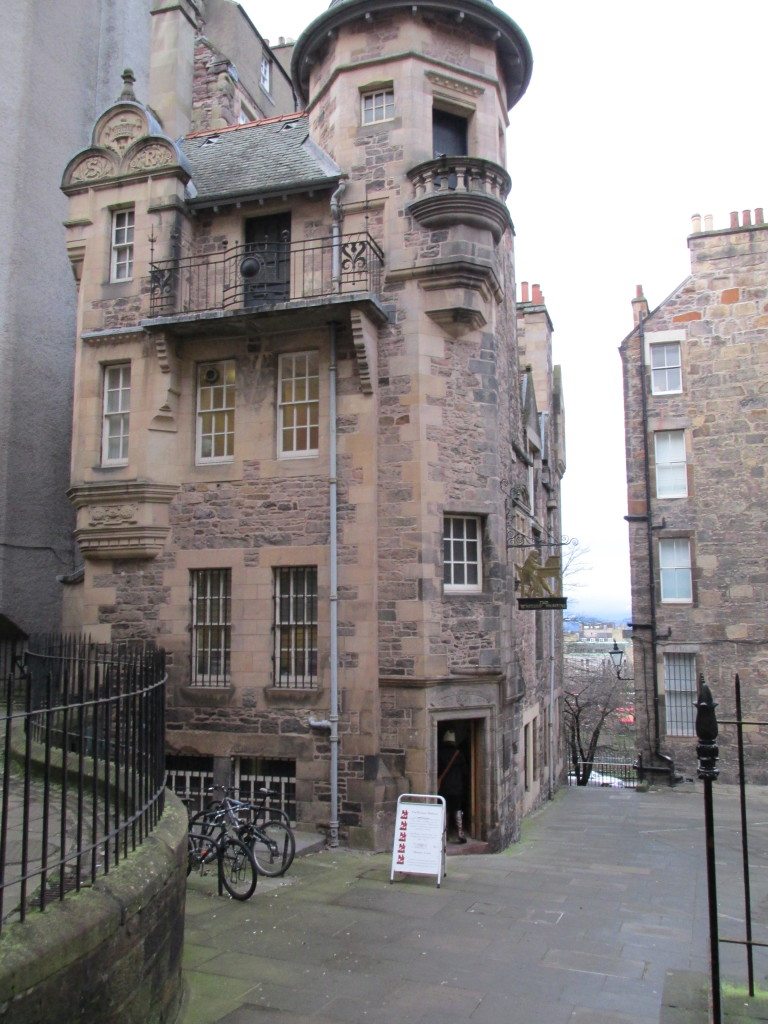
[(598, 916)]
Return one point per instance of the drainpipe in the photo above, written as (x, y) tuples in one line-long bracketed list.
[(651, 559), (334, 596), (336, 215), (332, 722)]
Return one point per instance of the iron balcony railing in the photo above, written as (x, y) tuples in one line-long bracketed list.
[(83, 766), (262, 274), (606, 774)]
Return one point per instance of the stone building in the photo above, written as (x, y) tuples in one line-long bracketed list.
[(695, 403), (315, 435), (37, 301)]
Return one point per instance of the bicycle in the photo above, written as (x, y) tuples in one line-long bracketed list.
[(235, 862), (271, 840)]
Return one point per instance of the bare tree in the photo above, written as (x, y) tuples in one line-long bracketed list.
[(593, 698)]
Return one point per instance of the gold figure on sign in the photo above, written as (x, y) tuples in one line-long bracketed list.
[(533, 576)]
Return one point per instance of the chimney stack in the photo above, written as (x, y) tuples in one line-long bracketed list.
[(639, 306)]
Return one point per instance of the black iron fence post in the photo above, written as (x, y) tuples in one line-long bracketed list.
[(744, 839), (707, 752)]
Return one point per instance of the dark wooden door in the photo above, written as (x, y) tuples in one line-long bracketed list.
[(266, 267)]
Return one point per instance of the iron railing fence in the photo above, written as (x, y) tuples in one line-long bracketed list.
[(260, 274), (608, 774), (83, 765)]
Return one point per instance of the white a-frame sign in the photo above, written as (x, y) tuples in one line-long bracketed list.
[(418, 847)]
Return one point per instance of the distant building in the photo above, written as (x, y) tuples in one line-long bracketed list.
[(315, 436), (696, 405)]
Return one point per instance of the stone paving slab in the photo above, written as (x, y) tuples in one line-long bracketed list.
[(595, 916)]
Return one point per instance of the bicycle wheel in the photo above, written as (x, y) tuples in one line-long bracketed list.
[(201, 850), (238, 869), (274, 846)]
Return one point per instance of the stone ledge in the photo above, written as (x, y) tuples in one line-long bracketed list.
[(96, 956)]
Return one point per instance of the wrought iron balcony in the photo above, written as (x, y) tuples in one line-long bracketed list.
[(455, 190), (261, 275)]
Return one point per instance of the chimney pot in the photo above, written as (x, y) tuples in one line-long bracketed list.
[(538, 298), (707, 221), (759, 215), (734, 219), (524, 288), (638, 291), (746, 218), (696, 223)]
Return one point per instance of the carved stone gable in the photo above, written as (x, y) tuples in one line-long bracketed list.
[(121, 130)]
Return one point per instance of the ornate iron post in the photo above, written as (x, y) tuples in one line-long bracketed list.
[(707, 752)]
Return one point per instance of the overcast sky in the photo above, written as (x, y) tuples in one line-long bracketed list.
[(638, 115)]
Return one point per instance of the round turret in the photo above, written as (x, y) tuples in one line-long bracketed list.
[(512, 47)]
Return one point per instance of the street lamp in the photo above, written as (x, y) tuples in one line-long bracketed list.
[(617, 658)]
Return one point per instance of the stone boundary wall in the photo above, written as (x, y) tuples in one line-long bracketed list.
[(110, 954)]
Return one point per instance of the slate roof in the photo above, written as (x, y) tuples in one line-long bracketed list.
[(257, 159)]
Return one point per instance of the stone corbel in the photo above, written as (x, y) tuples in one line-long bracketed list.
[(365, 339), (168, 386)]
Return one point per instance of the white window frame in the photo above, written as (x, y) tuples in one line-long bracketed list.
[(462, 552), (298, 405), (215, 412), (116, 413), (295, 626), (675, 567), (660, 373), (671, 464), (680, 669), (377, 105), (265, 75), (121, 259), (211, 592)]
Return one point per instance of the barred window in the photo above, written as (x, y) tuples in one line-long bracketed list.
[(216, 412), (675, 567), (462, 569), (680, 693), (296, 627), (116, 414), (122, 245), (298, 404), (671, 469), (211, 626)]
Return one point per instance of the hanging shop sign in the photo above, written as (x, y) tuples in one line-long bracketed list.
[(418, 846), (540, 587)]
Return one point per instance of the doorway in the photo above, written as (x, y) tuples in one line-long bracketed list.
[(266, 268), (458, 775)]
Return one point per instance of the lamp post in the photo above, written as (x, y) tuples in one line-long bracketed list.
[(707, 752), (617, 658)]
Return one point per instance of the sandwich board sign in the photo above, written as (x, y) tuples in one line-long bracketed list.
[(418, 847)]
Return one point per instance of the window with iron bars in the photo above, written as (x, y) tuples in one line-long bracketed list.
[(189, 778), (295, 627), (211, 626), (278, 776), (680, 693)]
